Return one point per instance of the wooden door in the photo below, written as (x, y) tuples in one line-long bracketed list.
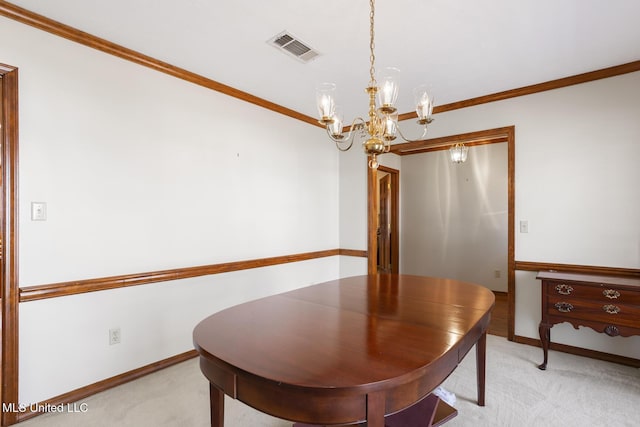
[(384, 224)]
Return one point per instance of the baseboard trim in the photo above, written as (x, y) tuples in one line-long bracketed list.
[(593, 354), (100, 386)]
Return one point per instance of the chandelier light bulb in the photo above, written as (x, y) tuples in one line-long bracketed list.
[(424, 104), (388, 90), (335, 127), (325, 101), (390, 127)]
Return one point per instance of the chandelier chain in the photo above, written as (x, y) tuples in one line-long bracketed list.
[(372, 56)]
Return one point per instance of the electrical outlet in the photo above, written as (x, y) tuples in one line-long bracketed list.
[(496, 274), (114, 336), (38, 211)]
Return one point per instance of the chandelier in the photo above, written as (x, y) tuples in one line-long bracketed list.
[(458, 153), (382, 126)]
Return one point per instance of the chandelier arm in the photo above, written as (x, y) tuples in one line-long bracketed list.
[(344, 148), (338, 140), (405, 139), (358, 125)]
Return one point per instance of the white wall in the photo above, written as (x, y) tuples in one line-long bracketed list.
[(142, 172), (64, 341), (454, 216), (353, 207), (576, 179), (121, 153)]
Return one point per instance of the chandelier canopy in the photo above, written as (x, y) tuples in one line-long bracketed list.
[(382, 125)]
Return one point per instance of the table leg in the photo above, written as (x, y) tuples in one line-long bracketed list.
[(375, 409), (216, 397), (481, 357)]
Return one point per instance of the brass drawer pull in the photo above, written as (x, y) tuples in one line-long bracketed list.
[(611, 293), (564, 289), (564, 307), (611, 309)]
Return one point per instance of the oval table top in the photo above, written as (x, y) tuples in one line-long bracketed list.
[(324, 353)]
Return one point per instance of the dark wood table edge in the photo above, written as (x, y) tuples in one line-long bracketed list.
[(375, 400), (225, 383)]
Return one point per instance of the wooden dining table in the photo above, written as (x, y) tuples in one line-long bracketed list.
[(348, 351)]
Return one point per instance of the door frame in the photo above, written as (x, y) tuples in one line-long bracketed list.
[(9, 236)]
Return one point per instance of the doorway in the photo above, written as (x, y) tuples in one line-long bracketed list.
[(491, 136), (388, 240)]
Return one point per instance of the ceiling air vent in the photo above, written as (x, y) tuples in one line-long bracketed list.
[(289, 44)]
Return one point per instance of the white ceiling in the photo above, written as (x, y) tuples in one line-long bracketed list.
[(462, 48)]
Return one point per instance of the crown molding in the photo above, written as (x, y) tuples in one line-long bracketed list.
[(43, 23)]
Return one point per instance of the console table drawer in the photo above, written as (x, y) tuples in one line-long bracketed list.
[(607, 312), (604, 292)]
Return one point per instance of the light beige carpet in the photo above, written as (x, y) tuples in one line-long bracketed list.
[(574, 391)]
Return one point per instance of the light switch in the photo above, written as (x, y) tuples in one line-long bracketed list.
[(524, 226), (38, 211)]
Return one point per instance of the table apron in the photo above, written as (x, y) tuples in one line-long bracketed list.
[(325, 406)]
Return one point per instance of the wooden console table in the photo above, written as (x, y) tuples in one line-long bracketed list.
[(606, 304), (347, 351)]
